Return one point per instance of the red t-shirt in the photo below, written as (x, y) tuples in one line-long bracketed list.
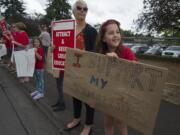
[(126, 53), (40, 63), (14, 34), (21, 37)]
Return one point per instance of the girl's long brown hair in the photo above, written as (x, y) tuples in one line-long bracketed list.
[(101, 46), (37, 38)]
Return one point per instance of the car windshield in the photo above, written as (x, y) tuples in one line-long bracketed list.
[(152, 50), (174, 48), (135, 47), (130, 46)]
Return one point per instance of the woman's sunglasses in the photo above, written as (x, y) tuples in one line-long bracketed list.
[(85, 9)]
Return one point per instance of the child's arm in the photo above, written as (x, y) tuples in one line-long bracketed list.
[(38, 56), (112, 54)]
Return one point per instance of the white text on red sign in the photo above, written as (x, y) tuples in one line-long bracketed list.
[(63, 34)]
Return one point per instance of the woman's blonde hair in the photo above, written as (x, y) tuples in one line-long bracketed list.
[(20, 25)]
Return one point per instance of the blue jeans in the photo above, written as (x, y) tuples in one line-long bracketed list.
[(39, 78)]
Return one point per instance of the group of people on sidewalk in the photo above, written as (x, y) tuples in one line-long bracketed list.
[(107, 41), (17, 39)]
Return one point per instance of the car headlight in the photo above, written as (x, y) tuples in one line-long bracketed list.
[(176, 55)]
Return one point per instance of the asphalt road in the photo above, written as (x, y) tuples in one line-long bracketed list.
[(18, 114), (9, 120)]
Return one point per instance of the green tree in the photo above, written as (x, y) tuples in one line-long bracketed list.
[(32, 24), (127, 33), (58, 9), (161, 16), (13, 10)]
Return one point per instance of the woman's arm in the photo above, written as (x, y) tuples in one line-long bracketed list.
[(18, 44)]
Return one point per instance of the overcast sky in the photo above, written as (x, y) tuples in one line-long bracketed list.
[(125, 11)]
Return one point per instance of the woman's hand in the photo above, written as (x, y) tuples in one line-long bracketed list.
[(92, 103), (13, 42), (18, 44), (52, 48), (6, 32), (35, 50)]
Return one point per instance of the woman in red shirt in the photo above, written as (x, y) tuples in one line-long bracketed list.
[(21, 39), (8, 37), (20, 42), (110, 44), (7, 41)]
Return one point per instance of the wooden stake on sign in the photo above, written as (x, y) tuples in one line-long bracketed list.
[(50, 70), (129, 91)]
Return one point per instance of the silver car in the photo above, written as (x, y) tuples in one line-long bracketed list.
[(172, 51)]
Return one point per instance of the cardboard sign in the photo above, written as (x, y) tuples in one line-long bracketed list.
[(63, 35), (25, 62), (171, 93), (130, 91), (49, 69)]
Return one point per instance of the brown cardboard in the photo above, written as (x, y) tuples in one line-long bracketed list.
[(130, 91), (53, 72)]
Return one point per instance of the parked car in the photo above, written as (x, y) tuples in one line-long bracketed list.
[(156, 50), (138, 49), (172, 51), (129, 45)]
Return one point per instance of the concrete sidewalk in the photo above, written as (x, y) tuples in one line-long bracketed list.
[(61, 118), (19, 115), (168, 119)]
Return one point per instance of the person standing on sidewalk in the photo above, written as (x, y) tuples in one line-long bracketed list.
[(7, 38), (60, 104), (21, 40), (45, 38), (85, 40), (39, 69), (110, 44)]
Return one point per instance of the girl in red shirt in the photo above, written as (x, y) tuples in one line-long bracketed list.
[(110, 44), (39, 69)]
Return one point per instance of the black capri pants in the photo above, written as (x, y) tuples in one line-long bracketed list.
[(77, 106)]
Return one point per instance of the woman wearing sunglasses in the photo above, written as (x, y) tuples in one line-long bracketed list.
[(85, 40)]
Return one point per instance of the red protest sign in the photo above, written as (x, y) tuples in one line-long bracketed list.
[(3, 24), (63, 36)]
